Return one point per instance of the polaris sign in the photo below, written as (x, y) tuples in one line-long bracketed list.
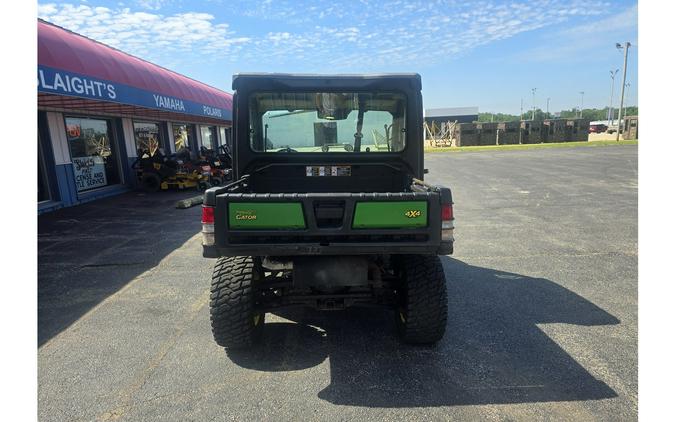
[(59, 82)]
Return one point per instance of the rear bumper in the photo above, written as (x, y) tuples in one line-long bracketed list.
[(445, 248)]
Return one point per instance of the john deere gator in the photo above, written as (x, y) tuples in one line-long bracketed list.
[(328, 208)]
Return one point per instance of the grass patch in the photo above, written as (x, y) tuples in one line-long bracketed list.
[(529, 146)]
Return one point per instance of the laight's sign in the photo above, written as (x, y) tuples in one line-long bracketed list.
[(81, 86), (56, 81)]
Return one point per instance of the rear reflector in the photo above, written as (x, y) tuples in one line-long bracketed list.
[(207, 215), (208, 239), (446, 212)]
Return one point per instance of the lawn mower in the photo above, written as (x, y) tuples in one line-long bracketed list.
[(176, 171), (218, 166)]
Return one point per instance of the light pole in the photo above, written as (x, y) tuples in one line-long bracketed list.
[(623, 83), (533, 91), (521, 109), (610, 112), (547, 101), (627, 88), (581, 110)]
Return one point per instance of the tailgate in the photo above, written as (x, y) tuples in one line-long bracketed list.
[(327, 223)]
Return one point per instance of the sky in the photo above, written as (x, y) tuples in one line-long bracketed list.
[(484, 53)]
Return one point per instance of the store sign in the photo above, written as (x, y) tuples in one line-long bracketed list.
[(171, 103), (89, 172), (59, 82), (213, 111), (75, 85)]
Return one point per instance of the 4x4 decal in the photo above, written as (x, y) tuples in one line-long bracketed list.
[(413, 213)]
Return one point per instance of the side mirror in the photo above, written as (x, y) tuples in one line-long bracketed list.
[(426, 171)]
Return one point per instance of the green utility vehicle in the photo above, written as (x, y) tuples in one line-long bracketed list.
[(328, 208)]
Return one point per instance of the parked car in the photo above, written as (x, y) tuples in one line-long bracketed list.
[(599, 128)]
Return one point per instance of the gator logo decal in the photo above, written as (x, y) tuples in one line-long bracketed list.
[(413, 213), (245, 215)]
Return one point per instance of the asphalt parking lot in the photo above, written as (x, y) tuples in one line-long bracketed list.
[(542, 322)]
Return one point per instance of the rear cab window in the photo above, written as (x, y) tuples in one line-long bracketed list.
[(310, 122)]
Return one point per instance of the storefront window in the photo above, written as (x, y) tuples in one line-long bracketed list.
[(223, 136), (147, 137), (92, 152), (208, 137), (182, 136)]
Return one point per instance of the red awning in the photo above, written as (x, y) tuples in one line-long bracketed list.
[(67, 51)]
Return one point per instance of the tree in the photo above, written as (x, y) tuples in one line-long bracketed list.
[(497, 117), (598, 113), (630, 111), (589, 113)]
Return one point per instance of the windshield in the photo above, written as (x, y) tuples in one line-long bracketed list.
[(327, 122)]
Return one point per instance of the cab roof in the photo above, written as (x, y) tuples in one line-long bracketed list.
[(306, 80)]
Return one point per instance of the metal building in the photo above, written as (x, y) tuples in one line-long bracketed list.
[(450, 114)]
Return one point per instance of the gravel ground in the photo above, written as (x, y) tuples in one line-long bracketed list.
[(542, 324)]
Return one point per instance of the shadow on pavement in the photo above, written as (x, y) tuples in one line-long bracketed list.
[(88, 252), (493, 351)]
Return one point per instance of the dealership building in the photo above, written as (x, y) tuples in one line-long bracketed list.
[(98, 106)]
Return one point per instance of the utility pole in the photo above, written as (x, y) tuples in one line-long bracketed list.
[(521, 109), (547, 101), (533, 108), (623, 83), (581, 110), (627, 88), (610, 112)]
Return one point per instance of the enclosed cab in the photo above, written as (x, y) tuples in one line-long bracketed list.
[(328, 208)]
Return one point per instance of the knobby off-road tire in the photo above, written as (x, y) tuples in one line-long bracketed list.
[(423, 306), (234, 322)]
